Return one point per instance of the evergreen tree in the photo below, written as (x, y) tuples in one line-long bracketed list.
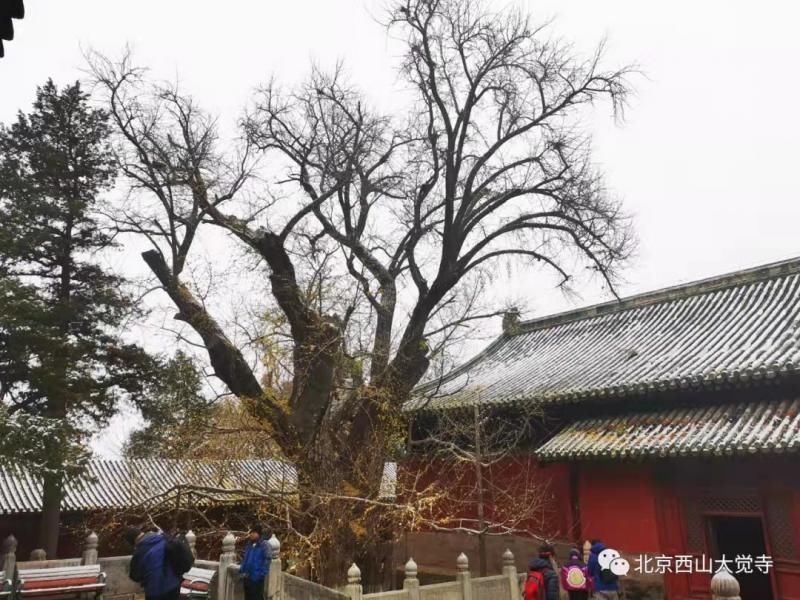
[(63, 364), (176, 413)]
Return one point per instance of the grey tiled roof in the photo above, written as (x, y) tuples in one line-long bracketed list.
[(110, 484), (126, 483), (737, 428), (722, 331)]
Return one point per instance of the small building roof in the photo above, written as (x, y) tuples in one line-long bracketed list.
[(739, 327), (120, 483), (722, 430), (109, 484)]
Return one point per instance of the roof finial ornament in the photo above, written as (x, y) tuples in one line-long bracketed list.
[(511, 321)]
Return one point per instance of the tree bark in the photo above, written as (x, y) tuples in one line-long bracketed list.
[(317, 340), (52, 481), (228, 362), (52, 485), (50, 523)]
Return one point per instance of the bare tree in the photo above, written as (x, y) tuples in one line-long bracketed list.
[(490, 163), (473, 460)]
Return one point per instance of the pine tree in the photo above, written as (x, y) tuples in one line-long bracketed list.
[(175, 411), (63, 364)]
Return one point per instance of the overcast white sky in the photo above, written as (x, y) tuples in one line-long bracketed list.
[(706, 160)]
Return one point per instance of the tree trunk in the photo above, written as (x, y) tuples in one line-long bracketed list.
[(352, 534), (50, 523), (53, 479), (52, 486), (337, 443), (339, 482)]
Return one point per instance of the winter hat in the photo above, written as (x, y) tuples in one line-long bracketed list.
[(546, 551)]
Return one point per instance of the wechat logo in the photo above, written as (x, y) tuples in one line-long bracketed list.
[(611, 560)]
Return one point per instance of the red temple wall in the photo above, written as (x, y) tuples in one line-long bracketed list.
[(763, 479), (617, 504), (641, 508), (518, 478)]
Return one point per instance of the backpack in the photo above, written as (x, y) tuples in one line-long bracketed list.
[(178, 555), (607, 576), (574, 578), (534, 587)]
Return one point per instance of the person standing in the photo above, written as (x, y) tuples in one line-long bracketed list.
[(150, 567), (541, 572), (604, 583), (255, 564)]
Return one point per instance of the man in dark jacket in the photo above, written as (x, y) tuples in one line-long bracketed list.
[(607, 590), (255, 564), (150, 567), (544, 565)]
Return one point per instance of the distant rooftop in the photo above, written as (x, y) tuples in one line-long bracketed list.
[(120, 483), (721, 331)]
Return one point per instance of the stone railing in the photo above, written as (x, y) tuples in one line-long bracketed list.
[(505, 586), (283, 586)]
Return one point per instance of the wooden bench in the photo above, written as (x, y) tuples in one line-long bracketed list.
[(5, 585), (197, 583), (60, 581)]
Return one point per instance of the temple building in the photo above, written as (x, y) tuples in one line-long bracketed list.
[(672, 426)]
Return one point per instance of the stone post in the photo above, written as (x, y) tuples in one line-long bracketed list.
[(587, 550), (225, 560), (411, 583), (191, 540), (90, 552), (724, 586), (353, 589), (274, 589), (510, 571), (10, 556), (462, 577)]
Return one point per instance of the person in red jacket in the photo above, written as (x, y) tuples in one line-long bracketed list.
[(541, 576)]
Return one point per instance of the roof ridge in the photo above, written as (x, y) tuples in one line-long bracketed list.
[(433, 384), (667, 294)]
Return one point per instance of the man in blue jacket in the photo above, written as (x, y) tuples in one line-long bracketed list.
[(149, 565), (255, 564), (605, 585)]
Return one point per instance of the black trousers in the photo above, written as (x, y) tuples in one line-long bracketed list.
[(253, 590)]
